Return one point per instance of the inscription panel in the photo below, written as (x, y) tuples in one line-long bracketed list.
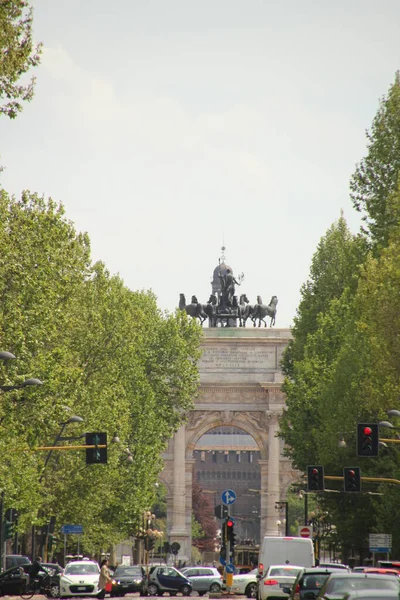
[(235, 362)]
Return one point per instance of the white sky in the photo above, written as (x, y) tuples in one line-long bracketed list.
[(164, 126)]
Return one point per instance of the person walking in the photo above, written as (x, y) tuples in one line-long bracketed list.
[(105, 577)]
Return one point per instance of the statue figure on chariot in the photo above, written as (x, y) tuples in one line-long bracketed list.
[(223, 308)]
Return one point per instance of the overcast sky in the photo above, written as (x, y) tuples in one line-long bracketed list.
[(168, 126)]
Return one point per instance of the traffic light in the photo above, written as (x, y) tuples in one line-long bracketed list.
[(315, 478), (8, 530), (150, 542), (367, 439), (230, 532), (352, 479), (175, 547), (96, 455)]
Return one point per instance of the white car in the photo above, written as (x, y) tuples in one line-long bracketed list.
[(276, 578), (245, 583), (80, 578)]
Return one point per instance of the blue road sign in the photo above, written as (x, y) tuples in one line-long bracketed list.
[(222, 561), (381, 550), (69, 529), (228, 497), (230, 568)]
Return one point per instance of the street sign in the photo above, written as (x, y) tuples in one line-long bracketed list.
[(305, 531), (228, 497), (70, 529), (222, 561), (230, 568), (380, 542), (221, 511)]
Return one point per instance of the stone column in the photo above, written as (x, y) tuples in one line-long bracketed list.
[(178, 532), (273, 477), (263, 496)]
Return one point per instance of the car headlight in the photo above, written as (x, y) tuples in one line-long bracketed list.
[(137, 581)]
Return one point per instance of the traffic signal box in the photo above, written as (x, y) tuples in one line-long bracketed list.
[(230, 533), (315, 478), (8, 530), (367, 439), (352, 479), (96, 455)]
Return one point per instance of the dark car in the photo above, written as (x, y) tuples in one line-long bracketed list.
[(309, 582), (339, 584), (167, 579), (127, 579), (13, 581)]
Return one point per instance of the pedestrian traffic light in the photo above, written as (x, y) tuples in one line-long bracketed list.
[(315, 478), (367, 439), (96, 455), (352, 479), (8, 530)]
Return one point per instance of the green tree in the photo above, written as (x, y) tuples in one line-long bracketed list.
[(106, 353), (334, 267), (18, 55), (377, 174)]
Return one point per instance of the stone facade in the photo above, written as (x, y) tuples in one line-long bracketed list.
[(240, 386)]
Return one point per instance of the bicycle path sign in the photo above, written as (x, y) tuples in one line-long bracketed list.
[(228, 497)]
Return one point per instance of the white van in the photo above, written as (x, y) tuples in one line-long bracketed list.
[(285, 551)]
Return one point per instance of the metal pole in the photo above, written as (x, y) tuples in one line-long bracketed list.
[(305, 508), (65, 547), (1, 529), (287, 519)]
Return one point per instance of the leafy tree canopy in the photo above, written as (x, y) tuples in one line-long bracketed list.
[(18, 54)]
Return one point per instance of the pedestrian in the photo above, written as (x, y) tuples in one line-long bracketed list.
[(105, 577)]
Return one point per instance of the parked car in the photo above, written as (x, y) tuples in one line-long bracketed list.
[(53, 568), (328, 565), (277, 579), (13, 581), (309, 582), (339, 584), (167, 579), (373, 595), (203, 579), (15, 560), (80, 578), (246, 583), (127, 579), (382, 571)]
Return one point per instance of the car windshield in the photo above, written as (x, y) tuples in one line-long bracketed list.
[(313, 581), (346, 584), (283, 572), (128, 571), (85, 569)]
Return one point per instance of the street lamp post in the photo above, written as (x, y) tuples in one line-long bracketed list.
[(58, 438), (281, 506), (4, 358)]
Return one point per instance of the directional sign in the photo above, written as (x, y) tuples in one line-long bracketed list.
[(228, 497), (305, 531), (222, 560), (69, 529), (230, 568)]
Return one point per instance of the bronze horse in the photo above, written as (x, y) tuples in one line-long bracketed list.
[(262, 310), (194, 309), (245, 310)]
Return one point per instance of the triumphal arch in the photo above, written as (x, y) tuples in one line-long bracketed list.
[(240, 386)]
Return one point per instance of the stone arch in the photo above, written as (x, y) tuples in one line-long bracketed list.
[(240, 386), (243, 422)]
